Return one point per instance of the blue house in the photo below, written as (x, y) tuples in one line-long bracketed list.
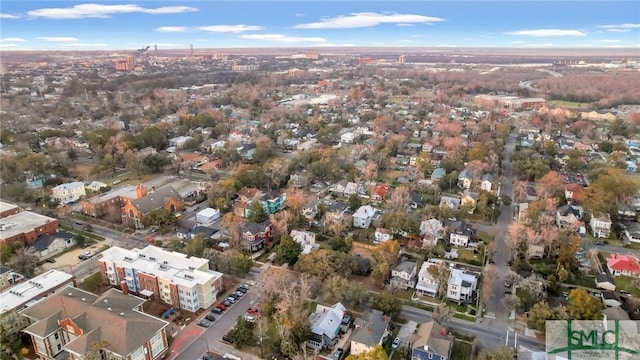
[(432, 343), (438, 173)]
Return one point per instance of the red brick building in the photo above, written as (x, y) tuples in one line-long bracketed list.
[(26, 226), (7, 209)]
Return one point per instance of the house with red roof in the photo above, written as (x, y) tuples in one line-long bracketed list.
[(379, 192), (619, 264), (574, 193)]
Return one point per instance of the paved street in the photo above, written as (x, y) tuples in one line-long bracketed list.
[(501, 256)]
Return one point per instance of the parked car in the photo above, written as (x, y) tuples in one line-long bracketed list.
[(253, 311), (116, 182), (249, 318), (51, 260), (221, 307), (338, 354), (210, 318), (245, 286), (239, 294), (234, 296), (204, 323), (88, 228), (216, 310), (227, 302), (228, 337), (207, 357), (242, 290), (396, 343)]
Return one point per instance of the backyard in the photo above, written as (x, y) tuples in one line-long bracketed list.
[(625, 283)]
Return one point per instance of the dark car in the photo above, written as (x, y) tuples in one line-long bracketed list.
[(51, 260), (234, 296), (227, 302), (216, 311), (210, 318), (88, 228), (228, 338), (242, 290)]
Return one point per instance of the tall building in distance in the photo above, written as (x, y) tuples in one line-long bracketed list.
[(126, 64), (179, 280), (402, 59)]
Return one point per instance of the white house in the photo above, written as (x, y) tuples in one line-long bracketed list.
[(179, 141), (363, 216), (306, 239), (96, 186), (347, 138), (403, 276), (427, 284), (487, 183), (207, 216), (460, 233), (601, 226), (325, 326), (632, 232), (568, 216), (350, 189), (382, 235), (461, 285), (68, 192), (431, 231)]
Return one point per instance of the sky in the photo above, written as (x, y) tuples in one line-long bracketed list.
[(131, 24)]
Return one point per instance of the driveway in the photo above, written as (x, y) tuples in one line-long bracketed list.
[(406, 332)]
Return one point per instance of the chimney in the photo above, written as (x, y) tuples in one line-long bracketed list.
[(443, 331), (141, 191), (124, 287)]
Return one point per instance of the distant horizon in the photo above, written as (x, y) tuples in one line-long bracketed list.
[(172, 24)]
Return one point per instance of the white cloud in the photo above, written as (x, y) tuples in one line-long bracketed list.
[(623, 46), (416, 35), (172, 29), (517, 42), (282, 38), (609, 41), (299, 15), (406, 41), (619, 30), (58, 39), (78, 44), (620, 26), (404, 25), (547, 32), (539, 45), (13, 39), (82, 11), (9, 16), (367, 19), (230, 28), (3, 45)]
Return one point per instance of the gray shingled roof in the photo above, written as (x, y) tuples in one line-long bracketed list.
[(370, 328), (155, 200)]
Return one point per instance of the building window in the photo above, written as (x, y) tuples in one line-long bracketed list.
[(55, 336), (59, 347)]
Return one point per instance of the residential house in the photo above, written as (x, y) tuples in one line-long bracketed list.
[(179, 141), (461, 285), (176, 279), (469, 200), (96, 186), (601, 226), (47, 246), (338, 188), (450, 201), (310, 209), (465, 179), (350, 189), (438, 174), (611, 299), (379, 192), (431, 231), (69, 192), (246, 151), (336, 210), (347, 138), (415, 199), (632, 232), (522, 211), (371, 329), (134, 212), (574, 193), (363, 216), (254, 236), (205, 231), (460, 233), (604, 281), (207, 216), (319, 186), (428, 284), (68, 323), (403, 275), (625, 265), (325, 326), (487, 183), (568, 217), (306, 239), (432, 342), (536, 249), (8, 277), (272, 201), (531, 192)]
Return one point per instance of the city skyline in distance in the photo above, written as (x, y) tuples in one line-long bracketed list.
[(64, 25)]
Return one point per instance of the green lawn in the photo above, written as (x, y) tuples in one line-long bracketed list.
[(461, 351), (467, 255), (91, 283), (626, 283), (571, 104)]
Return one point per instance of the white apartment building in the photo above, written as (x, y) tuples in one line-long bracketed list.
[(174, 278), (68, 192), (461, 285)]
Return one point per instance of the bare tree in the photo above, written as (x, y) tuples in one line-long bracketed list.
[(442, 314), (399, 198), (511, 302)]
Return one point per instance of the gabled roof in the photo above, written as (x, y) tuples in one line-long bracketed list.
[(618, 262), (487, 177), (465, 174), (380, 190), (602, 278), (430, 339), (566, 210), (155, 200), (370, 328), (326, 320), (44, 241), (438, 173)]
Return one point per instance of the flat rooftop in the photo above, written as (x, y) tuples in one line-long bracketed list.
[(126, 191), (170, 265), (30, 290), (6, 206), (21, 222)]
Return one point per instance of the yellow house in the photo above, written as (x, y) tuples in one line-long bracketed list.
[(469, 200)]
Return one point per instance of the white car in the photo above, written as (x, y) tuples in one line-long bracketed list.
[(249, 318), (396, 343)]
